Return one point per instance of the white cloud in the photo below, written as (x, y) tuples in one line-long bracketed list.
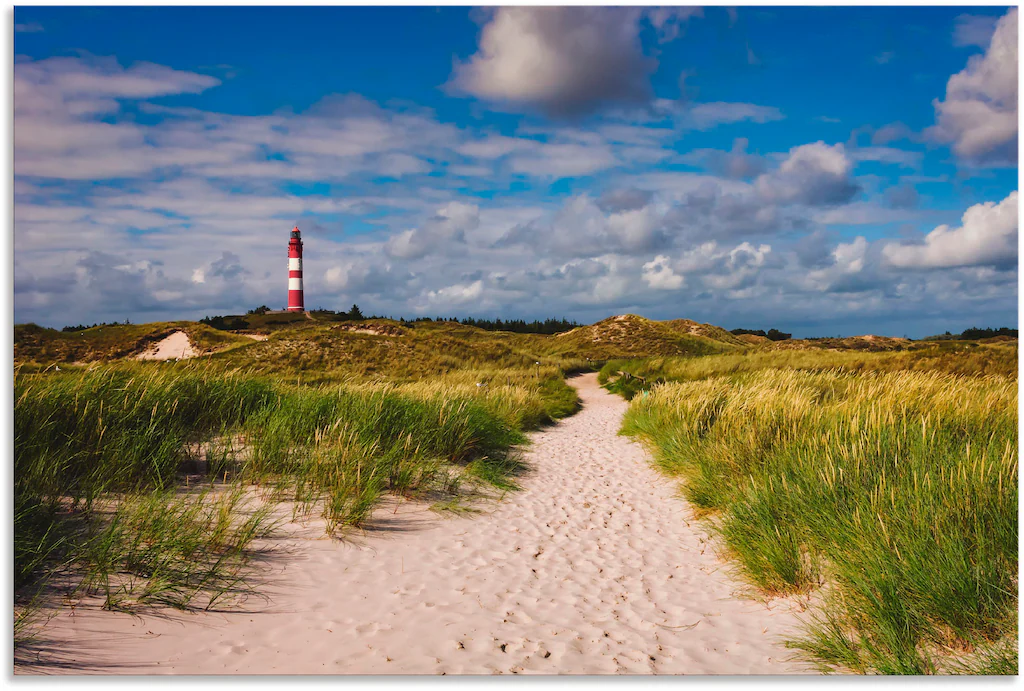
[(979, 115), (660, 276), (705, 116), (564, 160), (69, 125), (581, 228), (46, 86), (849, 256), (494, 146), (563, 60), (812, 174), (987, 236), (458, 294), (447, 227)]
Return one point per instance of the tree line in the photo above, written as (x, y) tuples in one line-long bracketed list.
[(83, 327), (770, 334), (974, 334)]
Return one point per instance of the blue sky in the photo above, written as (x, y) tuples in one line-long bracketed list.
[(819, 170)]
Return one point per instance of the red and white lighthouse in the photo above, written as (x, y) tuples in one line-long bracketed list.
[(295, 272)]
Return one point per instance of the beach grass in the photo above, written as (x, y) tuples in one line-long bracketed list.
[(888, 480), (109, 459)]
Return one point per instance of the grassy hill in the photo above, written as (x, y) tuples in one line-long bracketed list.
[(33, 343), (629, 335), (300, 343)]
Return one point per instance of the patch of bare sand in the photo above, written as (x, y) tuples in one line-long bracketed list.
[(176, 346), (597, 567)]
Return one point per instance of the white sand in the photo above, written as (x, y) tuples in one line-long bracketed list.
[(177, 345), (597, 567)]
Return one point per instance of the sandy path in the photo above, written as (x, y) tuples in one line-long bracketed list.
[(175, 346), (592, 569)]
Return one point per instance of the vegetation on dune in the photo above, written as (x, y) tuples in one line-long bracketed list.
[(110, 458), (36, 344), (631, 336), (101, 457), (890, 477), (952, 357)]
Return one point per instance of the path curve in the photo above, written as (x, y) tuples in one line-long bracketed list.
[(596, 567)]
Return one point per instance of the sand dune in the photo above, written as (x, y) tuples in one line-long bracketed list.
[(176, 346), (596, 567)]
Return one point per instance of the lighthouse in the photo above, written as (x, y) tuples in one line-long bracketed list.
[(295, 272)]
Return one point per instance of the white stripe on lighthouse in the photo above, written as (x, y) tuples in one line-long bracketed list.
[(294, 284), (294, 264)]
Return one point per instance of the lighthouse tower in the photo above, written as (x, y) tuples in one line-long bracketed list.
[(295, 272)]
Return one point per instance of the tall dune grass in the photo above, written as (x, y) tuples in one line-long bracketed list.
[(966, 358), (99, 459), (898, 489)]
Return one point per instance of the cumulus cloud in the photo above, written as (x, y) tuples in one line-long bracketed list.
[(660, 276), (565, 61), (979, 115), (813, 174), (363, 276), (581, 228), (987, 236), (850, 271), (227, 267), (448, 226), (718, 269), (456, 295)]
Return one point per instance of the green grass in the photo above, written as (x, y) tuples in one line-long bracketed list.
[(35, 346), (894, 484), (966, 358), (101, 455), (322, 417)]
